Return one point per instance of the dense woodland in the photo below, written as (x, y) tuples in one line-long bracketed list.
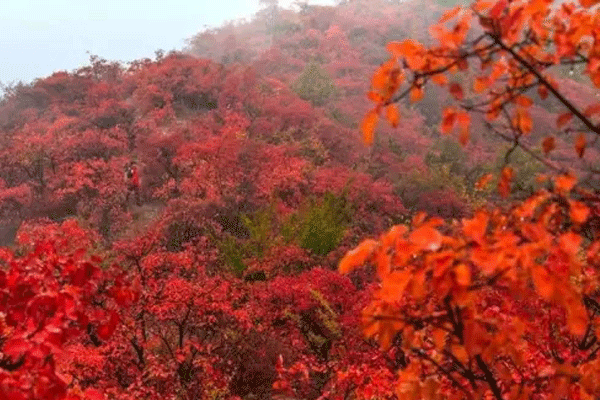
[(377, 200)]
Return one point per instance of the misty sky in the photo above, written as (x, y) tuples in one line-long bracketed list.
[(38, 37)]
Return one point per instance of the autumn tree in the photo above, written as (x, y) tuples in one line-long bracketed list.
[(502, 304), (508, 50)]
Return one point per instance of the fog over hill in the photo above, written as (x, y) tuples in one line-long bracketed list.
[(40, 37)]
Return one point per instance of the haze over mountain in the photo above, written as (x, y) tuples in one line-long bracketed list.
[(38, 38)]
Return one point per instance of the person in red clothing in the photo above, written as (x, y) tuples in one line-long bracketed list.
[(133, 183)]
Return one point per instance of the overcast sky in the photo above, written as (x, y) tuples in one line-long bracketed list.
[(38, 37)]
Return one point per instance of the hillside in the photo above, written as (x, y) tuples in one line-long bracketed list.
[(173, 226)]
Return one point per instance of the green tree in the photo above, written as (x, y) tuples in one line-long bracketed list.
[(314, 85)]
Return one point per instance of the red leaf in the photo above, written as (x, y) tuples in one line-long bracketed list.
[(563, 119), (448, 120), (92, 394), (548, 144), (16, 347), (456, 91), (580, 145), (106, 330), (496, 11)]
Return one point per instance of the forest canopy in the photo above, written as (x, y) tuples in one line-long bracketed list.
[(374, 200)]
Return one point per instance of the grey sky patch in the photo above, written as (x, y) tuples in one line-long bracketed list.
[(38, 37)]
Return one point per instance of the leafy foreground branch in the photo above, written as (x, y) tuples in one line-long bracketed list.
[(501, 304)]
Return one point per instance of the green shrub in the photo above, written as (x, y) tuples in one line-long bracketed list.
[(314, 85), (233, 252), (319, 226), (261, 227)]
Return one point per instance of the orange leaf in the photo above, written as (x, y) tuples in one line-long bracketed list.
[(380, 80), (480, 84), (392, 115), (542, 92), (439, 79), (463, 275), (580, 145), (464, 120), (522, 121), (368, 126), (570, 242), (578, 211), (456, 91), (482, 5), (476, 227), (543, 282), (439, 338), (483, 181), (394, 284), (358, 256), (548, 144), (523, 101), (448, 15), (405, 48), (506, 177), (426, 238), (419, 219), (376, 97), (588, 3), (577, 319), (563, 119), (564, 183), (416, 94)]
